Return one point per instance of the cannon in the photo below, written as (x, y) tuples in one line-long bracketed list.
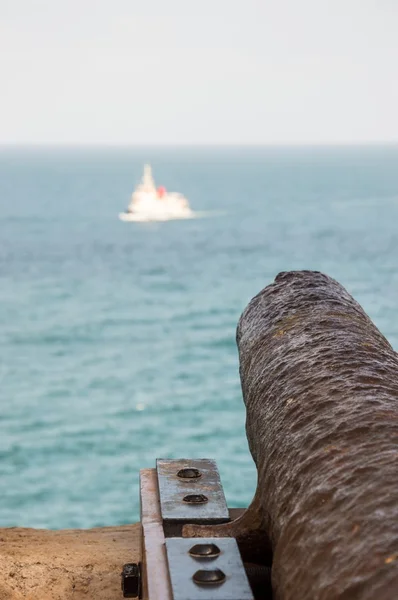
[(320, 385)]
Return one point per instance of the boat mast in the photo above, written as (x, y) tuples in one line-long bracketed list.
[(147, 179)]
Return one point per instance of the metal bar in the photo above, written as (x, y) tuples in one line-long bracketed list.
[(191, 491), (206, 569), (155, 576)]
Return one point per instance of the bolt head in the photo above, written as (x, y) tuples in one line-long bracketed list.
[(205, 551), (195, 499), (209, 577), (189, 473)]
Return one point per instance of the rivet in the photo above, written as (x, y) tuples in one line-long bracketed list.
[(207, 577), (189, 473), (205, 551), (195, 498)]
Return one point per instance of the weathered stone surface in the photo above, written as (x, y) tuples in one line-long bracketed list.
[(66, 565), (320, 384)]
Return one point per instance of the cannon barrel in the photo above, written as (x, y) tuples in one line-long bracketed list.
[(320, 385)]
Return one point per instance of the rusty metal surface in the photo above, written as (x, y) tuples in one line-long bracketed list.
[(209, 505), (320, 384), (183, 567), (155, 575)]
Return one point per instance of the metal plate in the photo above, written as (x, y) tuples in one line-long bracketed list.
[(174, 489), (182, 567)]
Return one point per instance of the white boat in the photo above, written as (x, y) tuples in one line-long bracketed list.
[(149, 203)]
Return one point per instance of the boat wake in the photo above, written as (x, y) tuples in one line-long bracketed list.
[(208, 214), (140, 218)]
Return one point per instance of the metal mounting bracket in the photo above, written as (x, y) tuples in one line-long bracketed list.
[(177, 492)]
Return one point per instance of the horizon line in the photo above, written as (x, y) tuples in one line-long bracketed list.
[(196, 145)]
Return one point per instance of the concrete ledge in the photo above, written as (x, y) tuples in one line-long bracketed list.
[(71, 564)]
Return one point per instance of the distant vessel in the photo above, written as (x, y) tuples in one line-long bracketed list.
[(150, 204)]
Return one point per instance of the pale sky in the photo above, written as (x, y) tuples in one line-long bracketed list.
[(204, 72)]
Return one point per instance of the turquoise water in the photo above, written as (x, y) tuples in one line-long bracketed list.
[(118, 339)]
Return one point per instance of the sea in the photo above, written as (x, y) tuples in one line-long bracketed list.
[(117, 340)]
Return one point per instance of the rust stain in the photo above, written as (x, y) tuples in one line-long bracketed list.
[(279, 333)]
